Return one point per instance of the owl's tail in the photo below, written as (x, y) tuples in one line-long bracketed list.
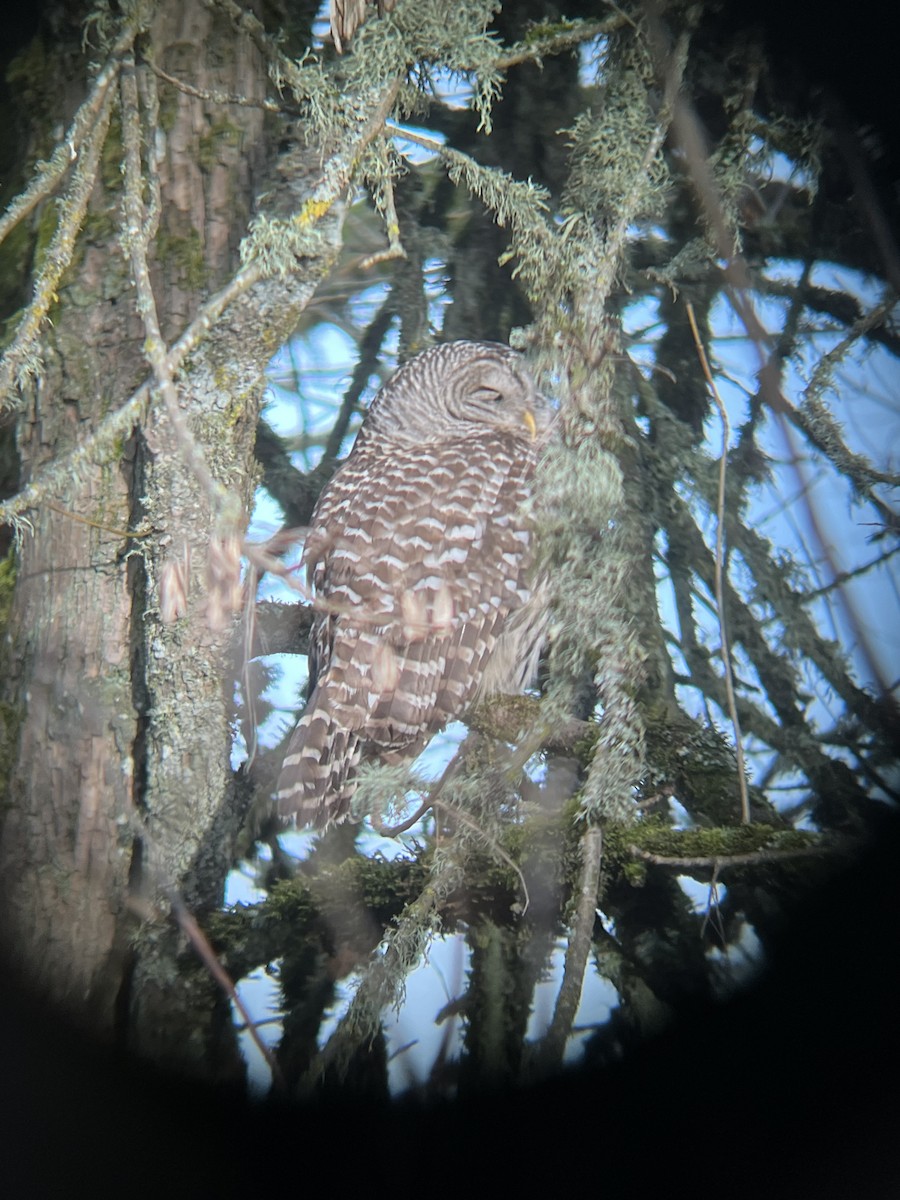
[(318, 775)]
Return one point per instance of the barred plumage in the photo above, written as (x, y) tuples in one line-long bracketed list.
[(418, 552)]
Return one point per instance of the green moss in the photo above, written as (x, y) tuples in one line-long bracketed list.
[(698, 763), (635, 872), (376, 883), (221, 134), (29, 75), (10, 714), (184, 253), (544, 31), (585, 746), (168, 107), (7, 587), (702, 843), (15, 267), (99, 226), (722, 841)]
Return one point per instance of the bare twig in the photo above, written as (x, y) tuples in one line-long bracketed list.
[(720, 569), (122, 533), (212, 96), (198, 939)]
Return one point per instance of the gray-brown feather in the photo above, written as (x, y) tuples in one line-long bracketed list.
[(419, 555)]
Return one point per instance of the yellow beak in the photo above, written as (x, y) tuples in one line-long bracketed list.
[(530, 423)]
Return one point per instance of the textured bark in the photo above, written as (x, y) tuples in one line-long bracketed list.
[(121, 784), (66, 848)]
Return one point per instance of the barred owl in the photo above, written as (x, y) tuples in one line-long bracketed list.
[(418, 553)]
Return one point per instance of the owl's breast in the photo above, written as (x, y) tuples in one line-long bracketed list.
[(414, 538)]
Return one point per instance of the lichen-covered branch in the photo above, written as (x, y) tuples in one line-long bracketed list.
[(81, 130), (21, 360), (384, 979)]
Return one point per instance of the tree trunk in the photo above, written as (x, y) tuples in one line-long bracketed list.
[(120, 784)]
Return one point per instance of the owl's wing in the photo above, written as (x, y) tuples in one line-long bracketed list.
[(428, 564), (418, 557)]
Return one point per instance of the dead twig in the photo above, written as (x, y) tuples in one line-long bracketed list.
[(211, 95), (720, 569), (204, 951)]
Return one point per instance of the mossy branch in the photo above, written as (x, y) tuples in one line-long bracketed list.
[(81, 130), (21, 361), (104, 440), (384, 979)]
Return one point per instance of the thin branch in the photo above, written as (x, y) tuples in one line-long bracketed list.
[(842, 577), (369, 348), (720, 568), (869, 658), (431, 800), (333, 181), (538, 47), (81, 129), (817, 423), (689, 136), (122, 533), (212, 96), (198, 939), (493, 845), (20, 359), (514, 202), (383, 195), (840, 306), (384, 979)]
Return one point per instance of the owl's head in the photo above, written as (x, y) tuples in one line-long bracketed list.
[(457, 389)]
